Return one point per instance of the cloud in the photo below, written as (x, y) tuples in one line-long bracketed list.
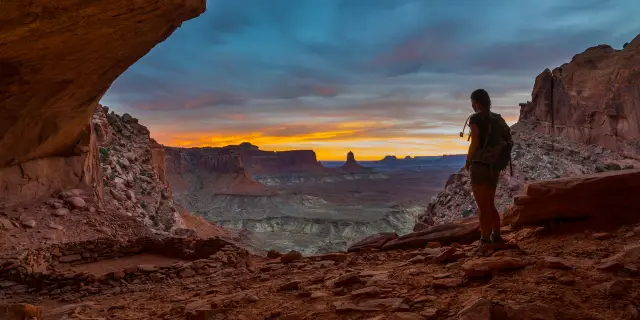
[(286, 68)]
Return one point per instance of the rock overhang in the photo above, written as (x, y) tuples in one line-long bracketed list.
[(58, 59)]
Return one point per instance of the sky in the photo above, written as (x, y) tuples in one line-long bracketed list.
[(377, 77)]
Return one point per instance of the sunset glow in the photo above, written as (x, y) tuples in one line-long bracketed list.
[(331, 145)]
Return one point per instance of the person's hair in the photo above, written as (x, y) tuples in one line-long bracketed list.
[(482, 97)]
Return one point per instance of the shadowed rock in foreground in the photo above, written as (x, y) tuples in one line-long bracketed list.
[(461, 231), (610, 195), (58, 58)]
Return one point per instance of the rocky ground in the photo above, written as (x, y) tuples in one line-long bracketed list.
[(571, 272), (535, 157)]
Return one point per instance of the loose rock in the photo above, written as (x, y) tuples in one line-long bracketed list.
[(290, 257), (28, 223), (478, 309), (61, 212), (76, 202)]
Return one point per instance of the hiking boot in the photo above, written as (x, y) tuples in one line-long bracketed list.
[(498, 243), (481, 250), (497, 239)]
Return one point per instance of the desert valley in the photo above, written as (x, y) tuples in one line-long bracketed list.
[(100, 221), (290, 201)]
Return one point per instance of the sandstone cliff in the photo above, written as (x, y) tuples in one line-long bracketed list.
[(34, 179), (56, 62), (272, 162), (216, 171), (593, 99)]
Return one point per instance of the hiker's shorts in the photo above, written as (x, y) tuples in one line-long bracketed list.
[(481, 174)]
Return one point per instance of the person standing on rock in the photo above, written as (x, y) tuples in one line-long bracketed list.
[(489, 153)]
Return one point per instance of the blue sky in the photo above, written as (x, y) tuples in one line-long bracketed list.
[(374, 76)]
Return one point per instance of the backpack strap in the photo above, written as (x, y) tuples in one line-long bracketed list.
[(465, 127), (486, 138)]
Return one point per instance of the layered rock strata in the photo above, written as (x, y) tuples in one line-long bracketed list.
[(593, 99)]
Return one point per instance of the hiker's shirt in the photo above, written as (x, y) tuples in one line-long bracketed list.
[(481, 120)]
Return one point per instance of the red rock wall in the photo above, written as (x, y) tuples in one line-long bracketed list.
[(260, 162), (37, 178), (217, 170), (593, 99), (207, 159), (57, 59), (240, 160), (158, 161)]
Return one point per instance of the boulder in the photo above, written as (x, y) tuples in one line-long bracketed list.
[(531, 311), (476, 309), (347, 280), (76, 202), (555, 263), (592, 184), (630, 254), (61, 212), (333, 256), (375, 241), (461, 231), (291, 285), (290, 257), (6, 225), (607, 195), (487, 266), (405, 316)]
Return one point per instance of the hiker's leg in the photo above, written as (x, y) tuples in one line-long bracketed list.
[(491, 207), (495, 218), (479, 176), (479, 194)]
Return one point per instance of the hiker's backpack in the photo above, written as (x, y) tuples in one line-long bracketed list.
[(496, 149)]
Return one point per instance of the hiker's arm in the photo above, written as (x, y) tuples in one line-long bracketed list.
[(473, 145)]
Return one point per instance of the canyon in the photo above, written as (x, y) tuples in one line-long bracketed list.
[(290, 201), (92, 224)]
